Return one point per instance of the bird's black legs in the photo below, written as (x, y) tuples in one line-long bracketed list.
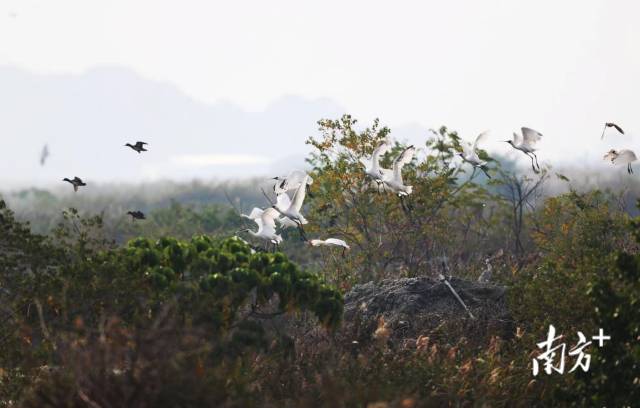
[(536, 157), (629, 169), (405, 206), (485, 171), (380, 184), (533, 166), (343, 251), (301, 229)]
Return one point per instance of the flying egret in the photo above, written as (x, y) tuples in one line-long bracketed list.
[(290, 182), (374, 171), (624, 156), (293, 209), (283, 202), (613, 125), (266, 227), (136, 215), (526, 144), (138, 147), (283, 221), (470, 153), (394, 180), (330, 242), (76, 182)]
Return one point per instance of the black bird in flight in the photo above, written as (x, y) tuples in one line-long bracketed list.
[(138, 147), (613, 125), (44, 155), (76, 182), (136, 215)]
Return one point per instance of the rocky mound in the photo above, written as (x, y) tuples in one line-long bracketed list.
[(403, 309)]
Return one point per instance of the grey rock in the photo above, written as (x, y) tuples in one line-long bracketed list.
[(412, 307)]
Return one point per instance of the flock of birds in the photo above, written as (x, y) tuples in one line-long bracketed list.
[(291, 190)]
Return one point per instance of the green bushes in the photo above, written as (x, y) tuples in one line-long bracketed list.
[(218, 290)]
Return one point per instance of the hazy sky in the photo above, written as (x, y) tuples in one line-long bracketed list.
[(562, 67)]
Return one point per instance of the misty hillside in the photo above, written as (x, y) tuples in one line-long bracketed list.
[(86, 119)]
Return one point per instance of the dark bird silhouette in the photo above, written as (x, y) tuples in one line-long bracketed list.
[(138, 147), (76, 182), (613, 125), (44, 155), (136, 215)]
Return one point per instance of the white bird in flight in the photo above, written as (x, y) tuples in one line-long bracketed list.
[(283, 202), (624, 156), (291, 181), (374, 170), (470, 153), (330, 242), (526, 144), (394, 181), (265, 219), (292, 210)]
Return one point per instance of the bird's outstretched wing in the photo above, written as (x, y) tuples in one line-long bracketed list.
[(268, 220), (405, 157), (380, 150), (77, 179), (44, 155), (255, 213), (482, 136), (618, 128), (298, 197), (625, 157), (141, 143), (530, 136), (517, 139), (292, 181), (337, 242), (283, 202), (610, 156)]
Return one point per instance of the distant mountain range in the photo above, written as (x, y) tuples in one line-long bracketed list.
[(86, 119)]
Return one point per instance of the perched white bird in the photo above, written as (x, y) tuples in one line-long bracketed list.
[(624, 156), (394, 180), (330, 242), (374, 171), (266, 225), (526, 144), (485, 276), (291, 181), (470, 153)]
